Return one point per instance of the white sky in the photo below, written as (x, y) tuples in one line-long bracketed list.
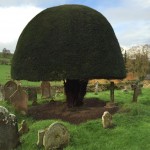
[(129, 18)]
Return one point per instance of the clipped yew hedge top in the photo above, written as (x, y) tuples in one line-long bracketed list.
[(67, 42)]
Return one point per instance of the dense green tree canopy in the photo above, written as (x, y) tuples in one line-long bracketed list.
[(68, 42)]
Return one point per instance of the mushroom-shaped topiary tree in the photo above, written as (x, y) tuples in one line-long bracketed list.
[(73, 43)]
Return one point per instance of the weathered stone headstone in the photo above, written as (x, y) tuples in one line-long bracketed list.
[(106, 120), (9, 88), (137, 91), (19, 100), (24, 128), (46, 89), (40, 137), (9, 137), (53, 93), (32, 93), (96, 87), (1, 92), (56, 137)]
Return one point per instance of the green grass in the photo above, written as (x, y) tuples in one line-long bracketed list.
[(4, 73), (131, 131), (5, 76)]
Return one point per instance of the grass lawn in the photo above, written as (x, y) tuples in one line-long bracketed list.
[(4, 73), (5, 76), (130, 133)]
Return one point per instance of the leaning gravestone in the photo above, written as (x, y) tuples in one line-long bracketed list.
[(19, 100), (56, 137), (9, 88), (9, 137), (46, 91)]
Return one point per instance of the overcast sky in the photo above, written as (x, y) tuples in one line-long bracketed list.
[(130, 19)]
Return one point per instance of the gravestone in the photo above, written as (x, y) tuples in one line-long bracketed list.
[(96, 87), (137, 88), (19, 100), (24, 128), (106, 120), (1, 93), (46, 90), (32, 93), (9, 88), (53, 93), (9, 137), (40, 137), (56, 137)]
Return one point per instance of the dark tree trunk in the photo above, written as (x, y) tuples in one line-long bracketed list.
[(75, 91)]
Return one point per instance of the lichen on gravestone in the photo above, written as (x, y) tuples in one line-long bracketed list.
[(56, 137), (107, 120), (9, 137)]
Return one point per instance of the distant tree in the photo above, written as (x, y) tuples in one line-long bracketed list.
[(142, 64), (138, 63), (130, 64)]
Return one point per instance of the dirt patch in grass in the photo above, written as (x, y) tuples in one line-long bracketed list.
[(92, 109)]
